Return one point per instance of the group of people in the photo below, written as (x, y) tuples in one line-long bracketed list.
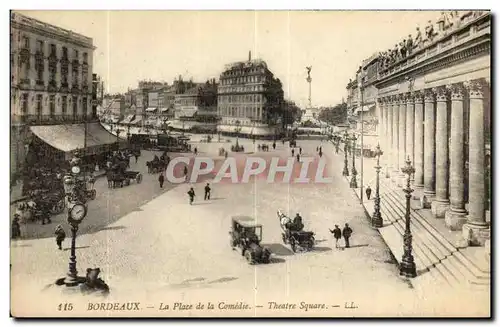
[(346, 232), (191, 194), (404, 48)]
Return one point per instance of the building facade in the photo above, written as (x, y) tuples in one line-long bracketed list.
[(434, 107), (51, 79), (249, 99)]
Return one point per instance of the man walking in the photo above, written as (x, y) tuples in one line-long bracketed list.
[(191, 195), (60, 236), (274, 145), (207, 192), (298, 157), (161, 179), (300, 150), (337, 234), (347, 232), (293, 152), (368, 192)]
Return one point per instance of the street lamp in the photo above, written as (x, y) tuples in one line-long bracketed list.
[(345, 172), (354, 183), (377, 217), (407, 267), (77, 211)]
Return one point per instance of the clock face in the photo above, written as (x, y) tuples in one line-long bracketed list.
[(78, 212), (75, 170)]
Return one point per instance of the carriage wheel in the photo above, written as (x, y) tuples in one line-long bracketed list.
[(248, 256), (283, 236), (126, 182), (310, 245), (93, 194), (58, 207), (139, 178)]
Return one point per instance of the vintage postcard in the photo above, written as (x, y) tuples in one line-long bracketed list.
[(250, 163)]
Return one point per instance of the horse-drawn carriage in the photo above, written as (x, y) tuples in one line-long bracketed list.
[(118, 176), (294, 234), (246, 235)]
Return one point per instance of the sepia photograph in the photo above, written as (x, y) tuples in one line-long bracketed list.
[(250, 163)]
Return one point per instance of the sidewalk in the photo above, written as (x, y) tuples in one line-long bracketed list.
[(440, 254)]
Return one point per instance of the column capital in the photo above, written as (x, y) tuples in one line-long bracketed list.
[(476, 88), (409, 98), (418, 96), (429, 95), (456, 91), (441, 93)]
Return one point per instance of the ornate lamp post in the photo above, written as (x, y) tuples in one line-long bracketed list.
[(377, 217), (407, 267), (345, 172), (354, 183), (77, 210)]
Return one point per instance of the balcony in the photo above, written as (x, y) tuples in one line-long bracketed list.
[(52, 86), (53, 119)]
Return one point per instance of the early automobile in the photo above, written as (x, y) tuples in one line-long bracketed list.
[(246, 235), (294, 234)]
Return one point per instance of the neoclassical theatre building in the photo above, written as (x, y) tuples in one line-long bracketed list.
[(433, 106)]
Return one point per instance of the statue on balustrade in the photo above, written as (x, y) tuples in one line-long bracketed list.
[(429, 31), (418, 38), (445, 21), (409, 45), (402, 48)]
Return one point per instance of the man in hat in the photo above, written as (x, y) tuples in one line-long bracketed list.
[(207, 191), (337, 234), (191, 195), (347, 232), (60, 236), (368, 192)]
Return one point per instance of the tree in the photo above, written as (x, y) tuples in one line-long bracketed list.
[(334, 115), (290, 113)]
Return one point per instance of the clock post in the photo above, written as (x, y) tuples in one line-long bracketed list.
[(76, 213)]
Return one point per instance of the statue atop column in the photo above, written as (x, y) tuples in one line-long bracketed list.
[(308, 72)]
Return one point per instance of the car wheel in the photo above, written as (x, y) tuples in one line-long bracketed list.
[(248, 256)]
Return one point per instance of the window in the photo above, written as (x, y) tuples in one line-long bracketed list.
[(26, 42), (52, 101), (65, 52), (84, 102), (24, 103), (39, 72), (39, 98), (39, 46), (75, 54), (53, 51), (85, 57), (64, 105), (75, 106)]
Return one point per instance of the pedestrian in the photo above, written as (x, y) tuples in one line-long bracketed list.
[(300, 150), (337, 234), (195, 151), (320, 153), (320, 149), (274, 145), (161, 179), (368, 192), (293, 152), (207, 191), (136, 157), (16, 228), (185, 172), (347, 232), (298, 157), (317, 148), (225, 154), (191, 195), (60, 236)]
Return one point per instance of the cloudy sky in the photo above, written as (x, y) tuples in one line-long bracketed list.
[(160, 45)]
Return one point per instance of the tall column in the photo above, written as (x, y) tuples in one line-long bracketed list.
[(395, 137), (388, 135), (455, 216), (410, 128), (429, 149), (476, 231), (390, 108), (441, 203), (402, 139), (419, 142)]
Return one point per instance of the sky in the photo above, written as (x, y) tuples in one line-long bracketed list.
[(161, 45)]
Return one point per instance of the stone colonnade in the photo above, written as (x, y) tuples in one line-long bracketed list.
[(428, 127)]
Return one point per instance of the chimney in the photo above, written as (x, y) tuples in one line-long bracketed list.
[(249, 55)]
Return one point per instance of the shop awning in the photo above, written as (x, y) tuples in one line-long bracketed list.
[(68, 138), (136, 120), (163, 109), (151, 109), (188, 112)]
